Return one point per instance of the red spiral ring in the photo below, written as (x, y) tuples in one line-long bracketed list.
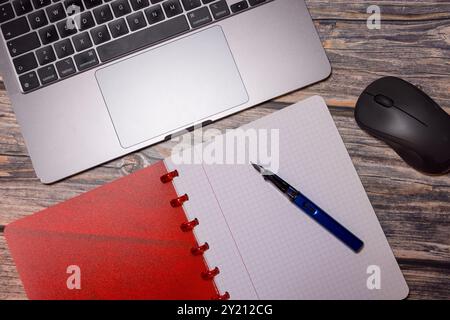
[(210, 274), (199, 250), (168, 177), (189, 226), (178, 202), (225, 296)]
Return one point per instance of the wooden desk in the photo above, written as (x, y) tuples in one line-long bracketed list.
[(414, 209)]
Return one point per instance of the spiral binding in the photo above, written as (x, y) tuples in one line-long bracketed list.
[(200, 250), (210, 274), (225, 296), (189, 226), (178, 202), (169, 176)]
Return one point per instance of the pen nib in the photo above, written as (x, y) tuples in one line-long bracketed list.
[(257, 167), (263, 171)]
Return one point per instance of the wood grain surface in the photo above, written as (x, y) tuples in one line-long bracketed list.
[(413, 209)]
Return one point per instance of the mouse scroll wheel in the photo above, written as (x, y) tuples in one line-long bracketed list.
[(384, 101)]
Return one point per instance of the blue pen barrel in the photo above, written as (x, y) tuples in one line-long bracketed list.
[(328, 223)]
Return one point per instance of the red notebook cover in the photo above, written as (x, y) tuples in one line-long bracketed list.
[(120, 241)]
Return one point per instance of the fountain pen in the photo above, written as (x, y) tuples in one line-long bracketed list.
[(312, 210)]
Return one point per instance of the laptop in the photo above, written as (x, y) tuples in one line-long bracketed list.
[(92, 80)]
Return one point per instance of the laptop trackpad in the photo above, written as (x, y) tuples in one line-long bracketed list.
[(171, 87)]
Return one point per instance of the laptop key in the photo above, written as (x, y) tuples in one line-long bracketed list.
[(154, 14), (48, 34), (207, 1), (73, 7), (38, 19), (220, 9), (100, 34), (23, 44), (89, 4), (41, 3), (191, 4), (15, 28), (56, 12), (66, 28), (121, 8), (45, 55), (63, 48), (172, 8), (29, 81), (25, 63), (65, 67), (136, 21), (118, 28), (22, 6), (239, 6), (86, 21), (47, 74), (82, 41), (6, 12), (139, 4), (256, 2), (143, 38), (86, 60), (199, 17), (103, 14)]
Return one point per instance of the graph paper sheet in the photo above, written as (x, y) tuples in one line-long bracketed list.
[(265, 247)]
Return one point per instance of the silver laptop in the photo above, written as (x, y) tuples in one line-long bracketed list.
[(92, 80)]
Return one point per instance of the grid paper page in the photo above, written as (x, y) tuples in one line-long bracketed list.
[(284, 253)]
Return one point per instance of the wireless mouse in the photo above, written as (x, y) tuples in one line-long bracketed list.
[(409, 121)]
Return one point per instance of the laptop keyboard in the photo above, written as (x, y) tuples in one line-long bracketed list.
[(51, 40)]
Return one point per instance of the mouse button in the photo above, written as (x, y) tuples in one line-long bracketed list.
[(418, 104), (363, 106), (404, 95), (368, 113), (384, 101), (401, 126)]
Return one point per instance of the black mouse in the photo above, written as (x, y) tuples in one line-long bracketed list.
[(408, 120)]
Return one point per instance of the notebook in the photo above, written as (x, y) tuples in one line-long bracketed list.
[(206, 230)]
